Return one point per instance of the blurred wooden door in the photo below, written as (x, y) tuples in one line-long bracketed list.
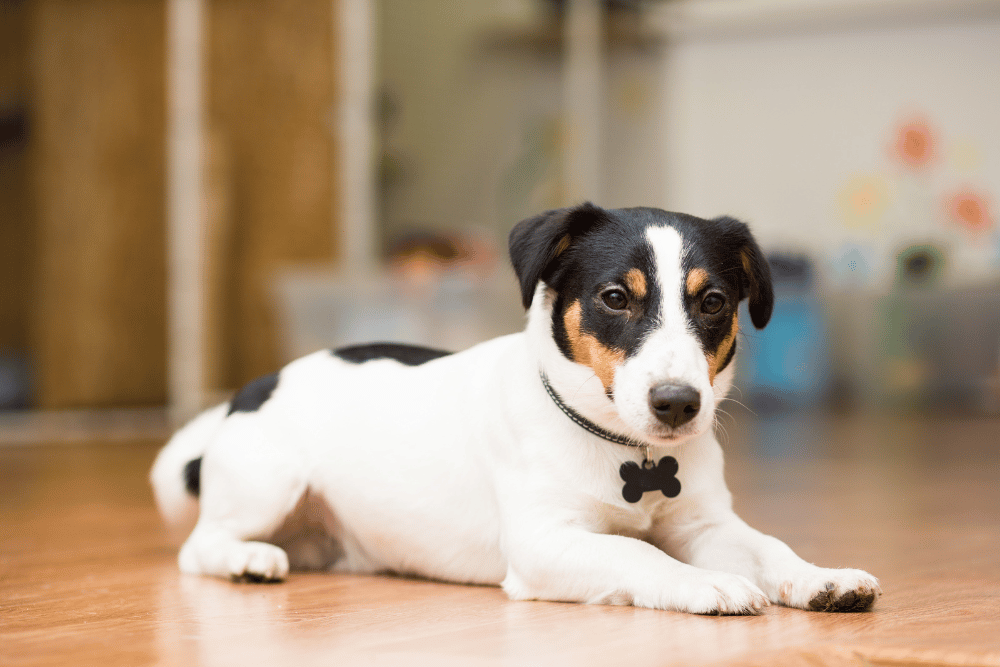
[(16, 242), (271, 69), (97, 162), (97, 317)]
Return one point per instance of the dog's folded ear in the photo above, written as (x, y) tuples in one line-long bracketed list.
[(756, 284), (537, 243)]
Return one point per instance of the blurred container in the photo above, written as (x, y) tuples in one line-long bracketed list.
[(451, 310), (904, 367), (787, 365), (928, 349), (952, 336)]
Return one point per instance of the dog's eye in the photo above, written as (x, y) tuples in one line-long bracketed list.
[(712, 304), (615, 299)]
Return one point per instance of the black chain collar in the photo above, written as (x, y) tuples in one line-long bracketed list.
[(585, 423), (650, 476)]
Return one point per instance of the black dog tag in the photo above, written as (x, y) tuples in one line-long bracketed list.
[(656, 477)]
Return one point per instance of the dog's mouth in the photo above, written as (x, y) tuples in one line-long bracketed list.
[(666, 435), (647, 429), (671, 437)]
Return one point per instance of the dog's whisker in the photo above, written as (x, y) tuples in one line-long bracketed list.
[(719, 413), (584, 384), (741, 404), (719, 426)]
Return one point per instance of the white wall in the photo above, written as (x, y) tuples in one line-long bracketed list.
[(775, 126)]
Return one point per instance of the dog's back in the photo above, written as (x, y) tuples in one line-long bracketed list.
[(357, 424)]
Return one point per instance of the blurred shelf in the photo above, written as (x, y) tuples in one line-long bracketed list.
[(623, 32), (725, 18)]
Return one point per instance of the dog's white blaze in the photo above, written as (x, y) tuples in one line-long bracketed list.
[(671, 352), (668, 252)]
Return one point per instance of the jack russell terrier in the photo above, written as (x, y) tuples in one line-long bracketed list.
[(573, 461)]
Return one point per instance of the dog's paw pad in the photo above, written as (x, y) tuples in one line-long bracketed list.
[(829, 599), (840, 591), (727, 595), (257, 562)]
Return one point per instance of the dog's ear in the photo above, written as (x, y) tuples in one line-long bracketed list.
[(537, 243), (756, 279)]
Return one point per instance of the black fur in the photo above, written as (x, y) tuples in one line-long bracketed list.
[(534, 243), (719, 247), (579, 252), (735, 237), (192, 476), (254, 394), (596, 261), (410, 355)]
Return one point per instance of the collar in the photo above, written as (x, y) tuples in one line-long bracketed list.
[(585, 423), (650, 476)]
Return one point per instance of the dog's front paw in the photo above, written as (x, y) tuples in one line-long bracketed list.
[(830, 590), (707, 592), (257, 562)]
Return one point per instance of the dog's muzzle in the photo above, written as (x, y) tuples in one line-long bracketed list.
[(674, 404)]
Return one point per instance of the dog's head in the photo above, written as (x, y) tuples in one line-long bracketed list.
[(643, 306)]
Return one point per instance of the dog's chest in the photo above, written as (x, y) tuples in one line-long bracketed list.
[(634, 519)]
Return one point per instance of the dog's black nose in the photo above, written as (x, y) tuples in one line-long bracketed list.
[(674, 404)]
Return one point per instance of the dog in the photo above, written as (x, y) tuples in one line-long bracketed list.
[(574, 461)]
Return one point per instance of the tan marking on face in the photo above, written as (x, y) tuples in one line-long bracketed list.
[(696, 279), (588, 351), (563, 244), (635, 280), (747, 266), (715, 359)]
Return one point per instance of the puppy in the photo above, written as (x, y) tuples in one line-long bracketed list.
[(574, 461)]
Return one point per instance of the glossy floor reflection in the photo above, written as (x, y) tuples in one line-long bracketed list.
[(88, 575)]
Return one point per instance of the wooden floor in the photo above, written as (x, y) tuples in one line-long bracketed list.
[(88, 576)]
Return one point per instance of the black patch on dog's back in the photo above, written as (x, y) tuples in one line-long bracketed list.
[(254, 394), (409, 355), (192, 476)]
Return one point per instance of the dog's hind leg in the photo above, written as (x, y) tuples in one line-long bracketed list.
[(250, 483)]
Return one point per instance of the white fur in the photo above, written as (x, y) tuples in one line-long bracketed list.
[(463, 469), (175, 504), (670, 354)]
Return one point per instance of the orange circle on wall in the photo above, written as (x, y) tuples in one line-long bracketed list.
[(915, 143), (971, 210)]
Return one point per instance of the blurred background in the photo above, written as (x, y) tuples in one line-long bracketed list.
[(194, 192)]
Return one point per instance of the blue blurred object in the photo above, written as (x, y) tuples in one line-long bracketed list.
[(852, 266), (787, 365)]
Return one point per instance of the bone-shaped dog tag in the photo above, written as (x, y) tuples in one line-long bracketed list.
[(650, 477)]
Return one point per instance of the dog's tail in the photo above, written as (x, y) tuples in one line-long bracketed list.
[(176, 473)]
